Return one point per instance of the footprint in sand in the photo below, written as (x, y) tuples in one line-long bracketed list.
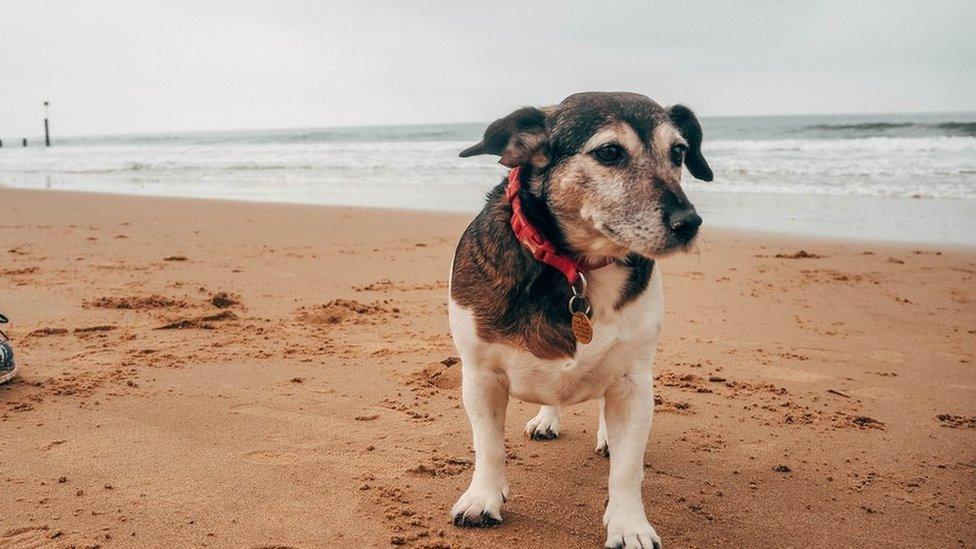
[(30, 537), (792, 374), (877, 393), (287, 457), (888, 356), (18, 272)]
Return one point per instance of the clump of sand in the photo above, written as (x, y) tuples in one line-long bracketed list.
[(445, 374), (338, 311), (200, 323), (153, 301), (223, 300)]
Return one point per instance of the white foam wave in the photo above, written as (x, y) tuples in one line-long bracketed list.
[(876, 166)]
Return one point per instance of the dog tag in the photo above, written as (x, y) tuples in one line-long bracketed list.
[(582, 328)]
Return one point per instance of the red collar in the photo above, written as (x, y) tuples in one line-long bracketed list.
[(536, 243)]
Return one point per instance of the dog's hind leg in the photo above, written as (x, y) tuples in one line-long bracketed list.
[(545, 425), (602, 445), (485, 396)]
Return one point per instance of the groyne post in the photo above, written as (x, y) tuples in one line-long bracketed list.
[(47, 135)]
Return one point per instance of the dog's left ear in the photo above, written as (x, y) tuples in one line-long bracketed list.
[(519, 139), (683, 119)]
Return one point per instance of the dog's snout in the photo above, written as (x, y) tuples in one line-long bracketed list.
[(684, 223)]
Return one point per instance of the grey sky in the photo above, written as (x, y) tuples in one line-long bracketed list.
[(134, 66)]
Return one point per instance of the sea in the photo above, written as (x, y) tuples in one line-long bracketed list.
[(904, 177)]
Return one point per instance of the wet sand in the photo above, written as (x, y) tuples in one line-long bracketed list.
[(208, 373)]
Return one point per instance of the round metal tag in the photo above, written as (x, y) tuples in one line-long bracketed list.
[(582, 328)]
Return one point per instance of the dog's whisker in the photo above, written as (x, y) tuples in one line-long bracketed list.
[(700, 248)]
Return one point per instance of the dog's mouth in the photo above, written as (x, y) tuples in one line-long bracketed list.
[(667, 242)]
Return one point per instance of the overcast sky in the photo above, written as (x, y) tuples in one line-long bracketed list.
[(138, 66)]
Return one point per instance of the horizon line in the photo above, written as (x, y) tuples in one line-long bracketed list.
[(484, 122)]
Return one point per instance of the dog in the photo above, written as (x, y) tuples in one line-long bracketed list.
[(554, 294)]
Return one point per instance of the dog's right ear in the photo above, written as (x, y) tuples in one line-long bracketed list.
[(520, 138)]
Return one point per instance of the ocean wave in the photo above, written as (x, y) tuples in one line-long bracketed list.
[(859, 187), (965, 128), (866, 129), (876, 144), (375, 164), (861, 126)]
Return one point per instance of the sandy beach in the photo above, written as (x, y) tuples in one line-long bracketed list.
[(229, 374)]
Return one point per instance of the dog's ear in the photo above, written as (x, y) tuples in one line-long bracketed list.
[(683, 119), (520, 138)]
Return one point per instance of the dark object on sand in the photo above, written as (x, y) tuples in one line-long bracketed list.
[(7, 367), (802, 254)]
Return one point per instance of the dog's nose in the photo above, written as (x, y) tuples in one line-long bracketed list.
[(685, 223)]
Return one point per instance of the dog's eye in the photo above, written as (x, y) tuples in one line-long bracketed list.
[(678, 154), (610, 154)]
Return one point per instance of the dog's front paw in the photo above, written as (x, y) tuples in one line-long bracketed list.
[(479, 507), (630, 531), (545, 425)]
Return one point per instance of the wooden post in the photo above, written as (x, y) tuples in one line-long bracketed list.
[(47, 136)]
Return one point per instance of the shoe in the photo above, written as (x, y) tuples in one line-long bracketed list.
[(7, 367)]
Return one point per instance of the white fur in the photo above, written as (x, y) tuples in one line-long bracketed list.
[(614, 367), (545, 424)]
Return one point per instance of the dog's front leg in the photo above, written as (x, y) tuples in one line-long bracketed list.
[(628, 409), (485, 398)]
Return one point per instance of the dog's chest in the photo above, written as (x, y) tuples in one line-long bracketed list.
[(619, 337)]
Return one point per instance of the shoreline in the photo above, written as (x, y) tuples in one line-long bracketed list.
[(708, 203), (253, 374)]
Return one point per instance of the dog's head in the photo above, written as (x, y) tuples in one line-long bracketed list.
[(608, 165)]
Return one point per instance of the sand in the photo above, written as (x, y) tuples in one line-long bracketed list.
[(206, 373)]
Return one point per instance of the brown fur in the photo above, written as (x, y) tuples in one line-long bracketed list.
[(516, 299)]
